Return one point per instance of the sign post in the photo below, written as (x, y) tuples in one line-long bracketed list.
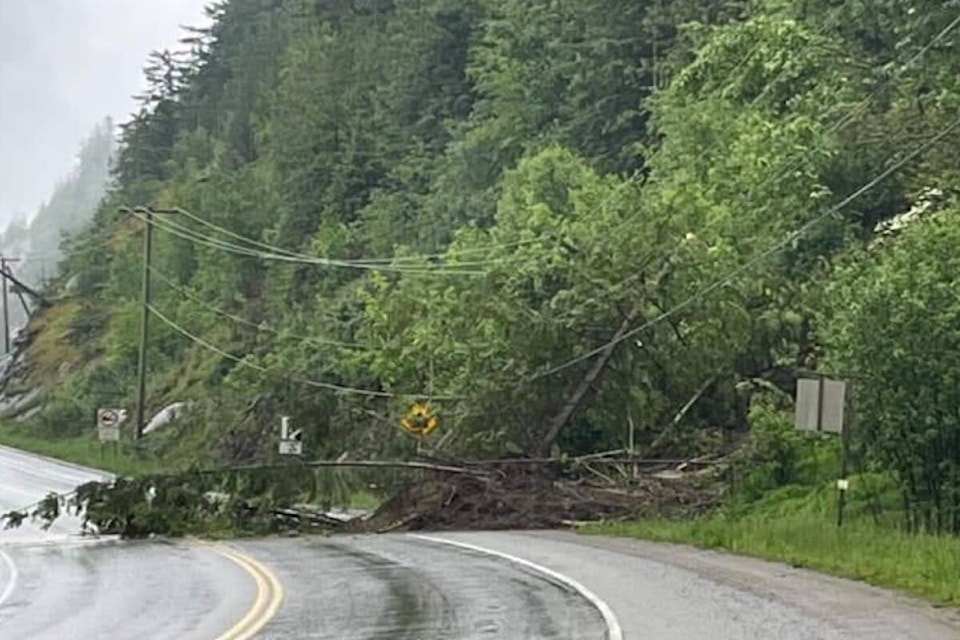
[(822, 406), (108, 427), (291, 442)]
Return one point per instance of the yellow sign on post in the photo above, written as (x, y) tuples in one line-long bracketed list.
[(420, 421)]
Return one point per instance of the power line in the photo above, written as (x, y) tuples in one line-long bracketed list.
[(359, 261), (839, 125), (188, 234), (854, 112), (650, 254), (241, 320), (906, 65), (329, 386), (280, 254), (277, 253), (776, 247)]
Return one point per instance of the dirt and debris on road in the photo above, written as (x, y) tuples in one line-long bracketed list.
[(530, 497)]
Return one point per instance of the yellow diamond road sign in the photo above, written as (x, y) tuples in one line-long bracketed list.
[(421, 420)]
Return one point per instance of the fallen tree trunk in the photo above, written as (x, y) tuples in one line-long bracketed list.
[(560, 420), (381, 464), (43, 302)]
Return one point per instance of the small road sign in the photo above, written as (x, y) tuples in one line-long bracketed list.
[(291, 448), (820, 405), (420, 421), (108, 424), (291, 442)]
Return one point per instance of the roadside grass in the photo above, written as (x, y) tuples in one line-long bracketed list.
[(83, 451), (797, 526)]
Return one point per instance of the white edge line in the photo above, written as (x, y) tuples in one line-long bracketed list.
[(614, 632), (14, 575)]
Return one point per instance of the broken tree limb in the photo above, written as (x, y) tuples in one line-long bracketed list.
[(682, 413), (560, 420), (43, 302)]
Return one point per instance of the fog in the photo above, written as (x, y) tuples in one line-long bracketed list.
[(64, 66)]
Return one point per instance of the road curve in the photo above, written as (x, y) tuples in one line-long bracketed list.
[(400, 587), (523, 585), (671, 592), (130, 590), (25, 479), (55, 584)]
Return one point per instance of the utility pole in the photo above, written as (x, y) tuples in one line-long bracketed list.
[(6, 310), (147, 214)]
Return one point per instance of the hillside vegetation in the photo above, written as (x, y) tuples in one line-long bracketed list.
[(552, 220)]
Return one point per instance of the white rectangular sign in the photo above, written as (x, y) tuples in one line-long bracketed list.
[(820, 405), (291, 448), (808, 404), (108, 424)]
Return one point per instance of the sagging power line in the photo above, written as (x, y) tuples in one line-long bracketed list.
[(258, 326), (749, 264), (329, 386)]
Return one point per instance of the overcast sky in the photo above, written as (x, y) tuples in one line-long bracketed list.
[(64, 66)]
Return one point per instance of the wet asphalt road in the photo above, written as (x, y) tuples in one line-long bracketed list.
[(402, 588), (55, 585), (25, 479), (667, 592), (128, 591)]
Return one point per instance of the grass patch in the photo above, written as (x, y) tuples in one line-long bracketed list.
[(81, 450), (363, 500), (52, 348), (800, 530)]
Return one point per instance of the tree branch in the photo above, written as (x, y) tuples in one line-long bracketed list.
[(683, 412)]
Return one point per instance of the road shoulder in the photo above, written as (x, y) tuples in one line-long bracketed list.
[(714, 594)]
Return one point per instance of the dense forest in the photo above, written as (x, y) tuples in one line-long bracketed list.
[(552, 220)]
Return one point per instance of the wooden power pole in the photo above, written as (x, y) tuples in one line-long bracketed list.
[(147, 213)]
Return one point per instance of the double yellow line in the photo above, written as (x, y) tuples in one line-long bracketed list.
[(269, 595)]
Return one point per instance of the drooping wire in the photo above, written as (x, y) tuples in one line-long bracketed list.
[(190, 235), (343, 262), (749, 264), (183, 291), (329, 386), (839, 125)]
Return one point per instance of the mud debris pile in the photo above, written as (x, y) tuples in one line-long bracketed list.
[(533, 497)]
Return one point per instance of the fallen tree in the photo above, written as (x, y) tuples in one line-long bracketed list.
[(420, 495)]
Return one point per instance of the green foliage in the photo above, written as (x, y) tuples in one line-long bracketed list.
[(778, 455), (506, 183), (891, 326), (244, 500)]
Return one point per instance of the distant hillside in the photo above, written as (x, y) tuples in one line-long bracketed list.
[(38, 244)]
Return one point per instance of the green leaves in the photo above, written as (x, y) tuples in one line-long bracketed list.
[(585, 162), (891, 325)]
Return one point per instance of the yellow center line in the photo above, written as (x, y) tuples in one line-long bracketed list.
[(269, 594)]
